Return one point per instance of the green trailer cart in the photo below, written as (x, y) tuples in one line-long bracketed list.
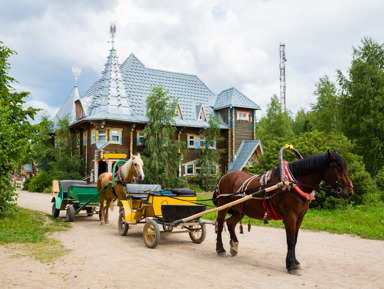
[(74, 196)]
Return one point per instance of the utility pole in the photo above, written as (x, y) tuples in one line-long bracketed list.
[(283, 86)]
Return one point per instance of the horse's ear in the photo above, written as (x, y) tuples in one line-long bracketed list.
[(138, 155), (131, 156), (331, 156)]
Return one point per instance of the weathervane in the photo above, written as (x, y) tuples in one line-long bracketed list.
[(76, 71), (112, 30)]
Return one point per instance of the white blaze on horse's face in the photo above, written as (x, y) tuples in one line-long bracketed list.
[(138, 164)]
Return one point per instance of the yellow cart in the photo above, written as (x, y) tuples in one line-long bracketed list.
[(152, 206)]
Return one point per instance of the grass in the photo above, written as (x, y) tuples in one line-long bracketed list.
[(28, 232), (366, 221)]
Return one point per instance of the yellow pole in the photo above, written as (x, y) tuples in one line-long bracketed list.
[(131, 143)]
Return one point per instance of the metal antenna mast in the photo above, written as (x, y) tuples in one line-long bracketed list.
[(282, 76)]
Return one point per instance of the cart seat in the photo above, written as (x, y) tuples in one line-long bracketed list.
[(83, 186), (67, 183), (183, 192), (139, 191)]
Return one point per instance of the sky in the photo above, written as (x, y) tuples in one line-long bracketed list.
[(233, 43)]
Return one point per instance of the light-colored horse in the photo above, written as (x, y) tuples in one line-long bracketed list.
[(131, 170)]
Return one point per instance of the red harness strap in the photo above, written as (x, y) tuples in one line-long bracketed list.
[(287, 173), (270, 210)]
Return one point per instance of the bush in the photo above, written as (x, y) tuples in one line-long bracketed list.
[(40, 182), (26, 184)]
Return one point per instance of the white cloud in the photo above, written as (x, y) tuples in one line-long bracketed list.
[(225, 43)]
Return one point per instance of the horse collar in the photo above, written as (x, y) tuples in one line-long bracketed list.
[(287, 175)]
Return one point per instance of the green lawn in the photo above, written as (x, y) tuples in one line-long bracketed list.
[(366, 221), (28, 232)]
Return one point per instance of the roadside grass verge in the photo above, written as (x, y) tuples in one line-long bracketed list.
[(28, 231), (366, 221)]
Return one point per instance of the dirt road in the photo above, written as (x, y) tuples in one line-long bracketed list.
[(101, 258)]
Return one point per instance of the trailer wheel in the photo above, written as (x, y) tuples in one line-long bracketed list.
[(151, 234), (55, 212), (70, 216), (90, 212), (197, 235), (122, 225)]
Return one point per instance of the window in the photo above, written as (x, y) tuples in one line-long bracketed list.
[(178, 112), (201, 139), (189, 170), (84, 138), (93, 136), (102, 136), (193, 168), (115, 136), (243, 115), (191, 141), (140, 138)]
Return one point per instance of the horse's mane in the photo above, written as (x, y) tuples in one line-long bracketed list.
[(125, 168), (314, 163)]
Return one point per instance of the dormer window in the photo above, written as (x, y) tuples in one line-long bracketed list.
[(201, 113), (178, 112)]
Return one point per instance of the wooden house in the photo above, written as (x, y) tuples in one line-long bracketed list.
[(110, 117)]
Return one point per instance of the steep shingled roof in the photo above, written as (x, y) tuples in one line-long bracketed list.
[(243, 154), (121, 93), (233, 98), (68, 106)]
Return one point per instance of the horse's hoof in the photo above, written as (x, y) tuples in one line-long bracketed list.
[(221, 252), (234, 248), (294, 272), (106, 222), (101, 223)]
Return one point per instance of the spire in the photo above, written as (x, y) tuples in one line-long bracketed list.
[(110, 96), (112, 31), (76, 71)]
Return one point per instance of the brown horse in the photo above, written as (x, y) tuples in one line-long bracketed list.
[(131, 170), (289, 205)]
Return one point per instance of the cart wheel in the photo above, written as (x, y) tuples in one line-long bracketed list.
[(90, 212), (122, 226), (167, 228), (105, 210), (151, 234), (55, 212), (197, 235), (70, 216)]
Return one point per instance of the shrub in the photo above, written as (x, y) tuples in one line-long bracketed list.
[(40, 182), (26, 184)]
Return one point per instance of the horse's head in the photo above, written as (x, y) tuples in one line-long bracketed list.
[(137, 167), (337, 175)]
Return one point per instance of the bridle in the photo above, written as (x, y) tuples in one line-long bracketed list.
[(339, 187)]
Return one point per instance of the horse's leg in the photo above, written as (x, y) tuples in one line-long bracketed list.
[(109, 200), (291, 233), (101, 209), (231, 223), (220, 225), (298, 224)]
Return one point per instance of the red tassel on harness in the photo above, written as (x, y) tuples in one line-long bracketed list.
[(110, 178), (241, 228)]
